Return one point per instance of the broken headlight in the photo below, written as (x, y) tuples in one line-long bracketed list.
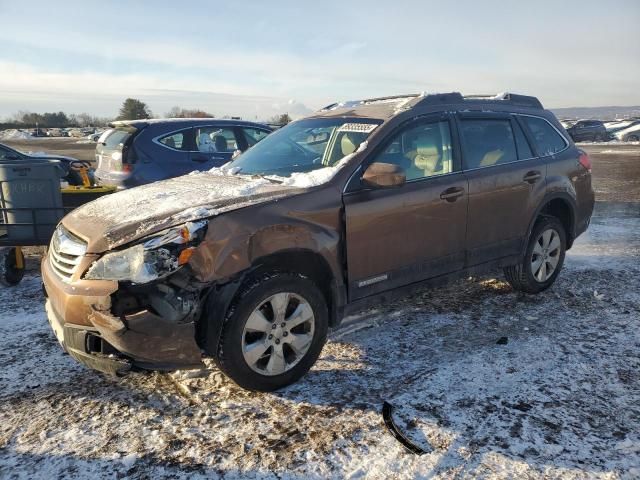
[(156, 257)]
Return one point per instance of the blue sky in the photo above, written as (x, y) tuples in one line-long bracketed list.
[(256, 59)]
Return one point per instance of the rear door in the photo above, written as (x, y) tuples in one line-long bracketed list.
[(213, 146), (397, 236), (175, 159), (506, 183)]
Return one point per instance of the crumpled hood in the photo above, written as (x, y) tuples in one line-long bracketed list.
[(119, 218)]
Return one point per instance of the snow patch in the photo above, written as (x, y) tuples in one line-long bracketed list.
[(14, 134)]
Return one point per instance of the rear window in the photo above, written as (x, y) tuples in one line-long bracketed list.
[(547, 140), (488, 142), (117, 138)]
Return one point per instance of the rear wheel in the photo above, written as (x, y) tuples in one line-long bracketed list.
[(10, 273), (543, 259), (273, 332), (633, 138)]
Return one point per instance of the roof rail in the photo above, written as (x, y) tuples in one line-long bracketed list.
[(434, 99), (511, 98), (353, 103), (439, 99)]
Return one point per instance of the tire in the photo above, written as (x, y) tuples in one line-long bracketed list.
[(261, 356), (599, 138), (529, 276), (633, 138), (10, 274)]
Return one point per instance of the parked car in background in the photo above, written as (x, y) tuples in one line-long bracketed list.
[(39, 132), (72, 176), (630, 133), (136, 152), (588, 131), (364, 200)]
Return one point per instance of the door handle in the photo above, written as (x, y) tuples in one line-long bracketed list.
[(200, 159), (451, 194), (532, 177)]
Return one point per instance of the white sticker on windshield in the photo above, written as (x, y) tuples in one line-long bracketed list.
[(358, 127)]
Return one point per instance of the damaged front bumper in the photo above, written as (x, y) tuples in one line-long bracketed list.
[(113, 343)]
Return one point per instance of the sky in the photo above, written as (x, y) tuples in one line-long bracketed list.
[(256, 59)]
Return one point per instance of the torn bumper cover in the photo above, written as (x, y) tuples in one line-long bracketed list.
[(149, 340), (114, 345)]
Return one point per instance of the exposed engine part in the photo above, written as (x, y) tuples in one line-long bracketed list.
[(387, 415), (171, 305)]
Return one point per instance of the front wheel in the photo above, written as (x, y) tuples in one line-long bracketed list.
[(543, 259), (273, 332)]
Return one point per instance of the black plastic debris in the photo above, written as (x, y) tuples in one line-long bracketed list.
[(502, 341), (387, 415)]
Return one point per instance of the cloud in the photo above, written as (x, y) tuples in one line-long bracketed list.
[(27, 87)]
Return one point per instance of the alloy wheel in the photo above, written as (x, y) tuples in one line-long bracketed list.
[(278, 333), (545, 255)]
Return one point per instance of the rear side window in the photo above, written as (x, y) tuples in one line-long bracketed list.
[(547, 140), (487, 142), (254, 135), (177, 141)]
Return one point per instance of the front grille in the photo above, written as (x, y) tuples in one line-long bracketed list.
[(65, 253)]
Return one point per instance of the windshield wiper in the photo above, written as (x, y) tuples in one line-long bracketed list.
[(272, 180)]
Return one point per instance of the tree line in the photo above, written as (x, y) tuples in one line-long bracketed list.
[(131, 109)]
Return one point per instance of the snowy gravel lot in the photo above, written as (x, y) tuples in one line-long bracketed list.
[(560, 399)]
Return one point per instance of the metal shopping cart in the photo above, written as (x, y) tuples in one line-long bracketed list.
[(32, 203)]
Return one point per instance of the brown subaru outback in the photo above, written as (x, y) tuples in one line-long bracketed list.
[(251, 263)]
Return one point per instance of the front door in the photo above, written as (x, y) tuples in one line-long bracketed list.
[(506, 181), (397, 236)]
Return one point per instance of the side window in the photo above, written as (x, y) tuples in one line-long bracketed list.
[(548, 141), (254, 135), (177, 141), (3, 153), (422, 150), (524, 150), (215, 139), (487, 142)]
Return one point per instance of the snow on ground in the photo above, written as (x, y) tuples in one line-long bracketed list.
[(14, 134), (560, 400)]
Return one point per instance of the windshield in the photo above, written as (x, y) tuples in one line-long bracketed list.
[(304, 146)]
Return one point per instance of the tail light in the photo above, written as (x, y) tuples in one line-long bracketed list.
[(127, 167), (585, 161)]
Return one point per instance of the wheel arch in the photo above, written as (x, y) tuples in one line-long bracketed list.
[(295, 260), (561, 206), (311, 264)]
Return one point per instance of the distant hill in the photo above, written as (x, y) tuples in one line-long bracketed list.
[(600, 113)]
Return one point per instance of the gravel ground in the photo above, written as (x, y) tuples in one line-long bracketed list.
[(561, 399)]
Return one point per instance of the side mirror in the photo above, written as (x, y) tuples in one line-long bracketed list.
[(383, 175)]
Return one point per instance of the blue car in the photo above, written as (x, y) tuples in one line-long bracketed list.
[(136, 152)]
